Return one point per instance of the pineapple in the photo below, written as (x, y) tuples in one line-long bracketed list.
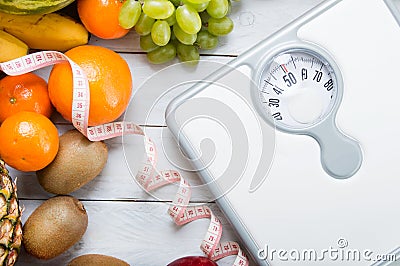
[(10, 219)]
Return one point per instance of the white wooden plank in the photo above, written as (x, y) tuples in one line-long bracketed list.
[(148, 105), (254, 20), (115, 181), (142, 234), (141, 72)]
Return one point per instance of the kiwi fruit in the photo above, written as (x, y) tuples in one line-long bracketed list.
[(55, 226), (96, 260), (77, 162)]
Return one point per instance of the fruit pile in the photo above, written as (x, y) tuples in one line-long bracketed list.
[(173, 27), (30, 141)]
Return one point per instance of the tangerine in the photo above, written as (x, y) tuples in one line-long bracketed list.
[(26, 92), (28, 141), (110, 83), (100, 17)]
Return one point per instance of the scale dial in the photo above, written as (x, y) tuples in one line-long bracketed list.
[(298, 89)]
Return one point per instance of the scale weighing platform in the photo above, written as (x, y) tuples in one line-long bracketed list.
[(305, 157)]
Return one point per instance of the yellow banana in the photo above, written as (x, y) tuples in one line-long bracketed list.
[(45, 32), (11, 47)]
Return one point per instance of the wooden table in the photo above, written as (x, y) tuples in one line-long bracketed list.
[(124, 221)]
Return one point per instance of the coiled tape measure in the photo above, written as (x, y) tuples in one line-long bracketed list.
[(324, 127)]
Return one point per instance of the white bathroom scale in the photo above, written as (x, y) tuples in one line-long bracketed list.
[(303, 157)]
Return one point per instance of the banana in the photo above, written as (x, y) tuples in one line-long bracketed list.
[(45, 32), (11, 47)]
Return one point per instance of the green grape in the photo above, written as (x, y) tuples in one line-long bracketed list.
[(206, 40), (220, 26), (182, 36), (147, 44), (198, 1), (144, 24), (188, 19), (129, 14), (188, 53), (218, 8), (162, 54), (158, 9), (160, 32), (171, 19), (200, 7)]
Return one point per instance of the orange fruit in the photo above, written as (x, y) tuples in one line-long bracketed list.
[(100, 17), (110, 83), (27, 92), (28, 141)]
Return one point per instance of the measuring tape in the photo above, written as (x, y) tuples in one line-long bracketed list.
[(148, 176)]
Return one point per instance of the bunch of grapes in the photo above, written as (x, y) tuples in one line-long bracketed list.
[(176, 27)]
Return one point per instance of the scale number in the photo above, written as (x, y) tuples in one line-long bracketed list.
[(273, 102), (318, 75), (277, 116), (304, 74), (329, 85), (290, 79)]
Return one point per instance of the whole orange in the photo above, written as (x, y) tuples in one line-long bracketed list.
[(110, 83), (27, 92), (100, 17), (28, 141)]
